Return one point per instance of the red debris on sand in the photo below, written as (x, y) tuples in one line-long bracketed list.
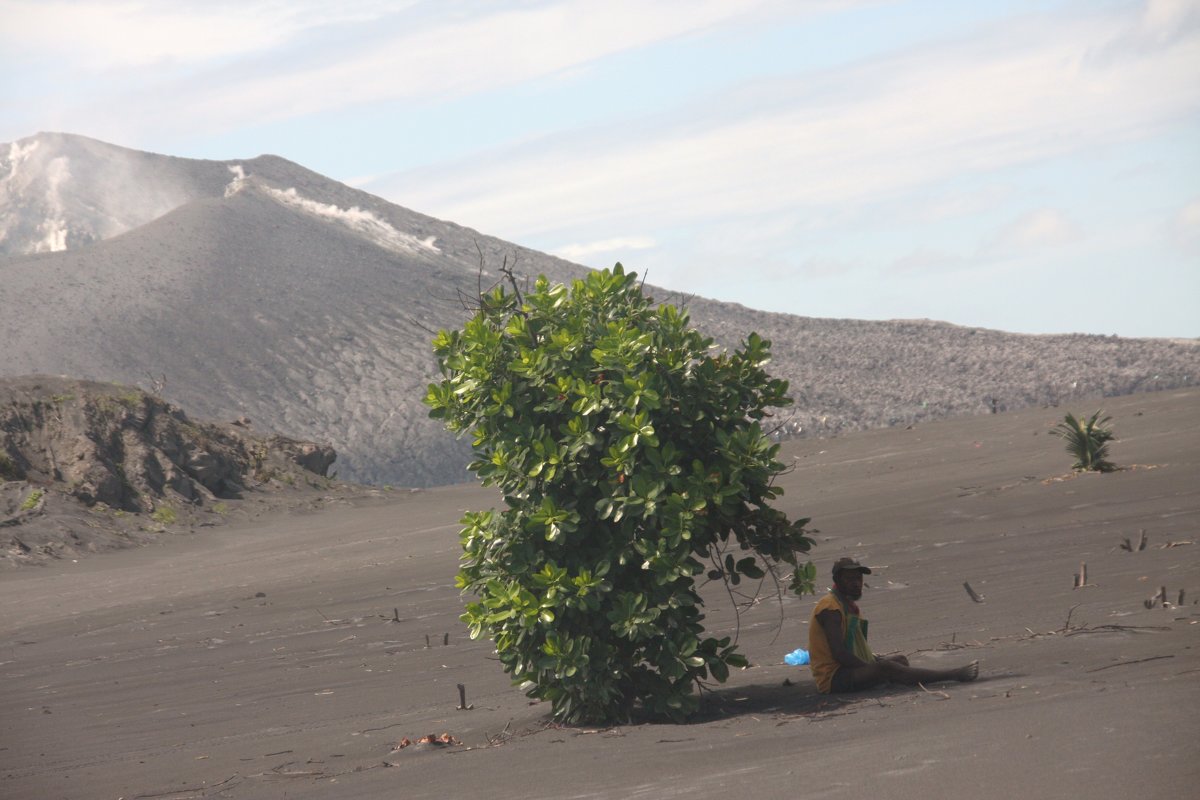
[(429, 738)]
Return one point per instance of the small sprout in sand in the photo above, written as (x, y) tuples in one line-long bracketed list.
[(1087, 440)]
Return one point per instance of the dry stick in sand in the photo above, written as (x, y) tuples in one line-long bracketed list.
[(1127, 663), (1081, 579), (202, 789), (1066, 625), (462, 698), (173, 791), (972, 593), (1158, 597), (1096, 628), (445, 639), (1126, 544), (943, 695), (500, 738)]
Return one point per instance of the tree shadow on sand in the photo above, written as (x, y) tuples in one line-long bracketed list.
[(790, 699), (785, 698), (781, 701)]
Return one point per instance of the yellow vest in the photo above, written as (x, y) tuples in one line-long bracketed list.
[(854, 635)]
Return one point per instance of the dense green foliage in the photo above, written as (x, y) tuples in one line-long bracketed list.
[(632, 463), (1087, 440)]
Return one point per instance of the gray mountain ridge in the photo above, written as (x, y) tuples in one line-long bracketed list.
[(261, 289)]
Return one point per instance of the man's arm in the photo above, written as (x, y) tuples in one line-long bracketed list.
[(831, 624)]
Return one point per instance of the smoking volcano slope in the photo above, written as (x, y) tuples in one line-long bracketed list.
[(249, 307), (259, 288)]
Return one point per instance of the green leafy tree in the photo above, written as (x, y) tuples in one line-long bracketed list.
[(634, 468), (1087, 440)]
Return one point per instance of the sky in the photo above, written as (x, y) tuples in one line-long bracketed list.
[(1031, 167)]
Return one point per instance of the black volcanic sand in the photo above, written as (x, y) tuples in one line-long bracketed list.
[(263, 659)]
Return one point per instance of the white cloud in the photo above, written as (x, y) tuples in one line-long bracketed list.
[(1185, 226), (115, 34), (1037, 230), (1163, 20), (949, 204), (1021, 92), (1027, 235), (435, 52), (1189, 216), (578, 252), (929, 260), (819, 267)]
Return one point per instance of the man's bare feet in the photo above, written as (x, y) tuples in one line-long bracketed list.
[(968, 673)]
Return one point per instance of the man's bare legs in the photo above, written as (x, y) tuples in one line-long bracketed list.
[(896, 669)]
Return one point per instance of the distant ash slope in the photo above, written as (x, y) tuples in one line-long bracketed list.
[(308, 306), (853, 374)]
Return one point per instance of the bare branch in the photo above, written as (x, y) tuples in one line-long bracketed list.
[(479, 275), (779, 597), (418, 324), (507, 271), (157, 383), (715, 557)]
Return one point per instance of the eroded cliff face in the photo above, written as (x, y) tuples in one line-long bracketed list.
[(127, 459)]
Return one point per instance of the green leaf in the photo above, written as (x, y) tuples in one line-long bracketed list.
[(750, 569), (604, 507)]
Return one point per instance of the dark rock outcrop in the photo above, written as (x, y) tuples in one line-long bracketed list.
[(88, 466), (103, 443)]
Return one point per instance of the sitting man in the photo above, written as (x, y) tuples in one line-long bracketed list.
[(842, 660)]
